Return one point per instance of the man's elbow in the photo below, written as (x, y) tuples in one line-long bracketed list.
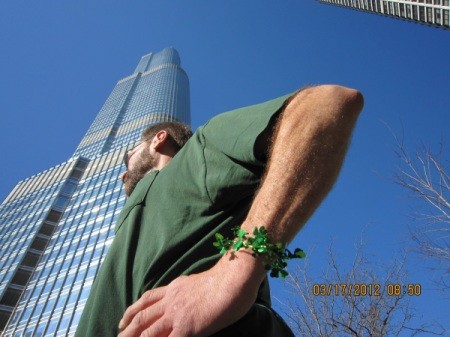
[(354, 100), (347, 101), (331, 102), (341, 97)]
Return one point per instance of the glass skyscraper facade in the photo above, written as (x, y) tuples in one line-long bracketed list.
[(434, 13), (56, 226)]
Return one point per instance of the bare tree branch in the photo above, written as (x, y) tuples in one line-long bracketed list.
[(425, 175)]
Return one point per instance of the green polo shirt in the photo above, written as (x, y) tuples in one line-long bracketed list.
[(167, 226)]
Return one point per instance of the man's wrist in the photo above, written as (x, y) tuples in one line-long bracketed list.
[(274, 256), (241, 265)]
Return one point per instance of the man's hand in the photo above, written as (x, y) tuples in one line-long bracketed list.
[(197, 305)]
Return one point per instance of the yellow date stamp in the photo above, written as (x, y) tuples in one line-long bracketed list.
[(366, 289)]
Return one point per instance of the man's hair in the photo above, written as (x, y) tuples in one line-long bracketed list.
[(179, 133)]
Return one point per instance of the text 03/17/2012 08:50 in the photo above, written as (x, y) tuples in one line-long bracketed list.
[(363, 289)]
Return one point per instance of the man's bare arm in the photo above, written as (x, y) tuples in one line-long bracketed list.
[(309, 146), (308, 149)]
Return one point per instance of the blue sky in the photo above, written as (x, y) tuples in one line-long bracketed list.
[(59, 61)]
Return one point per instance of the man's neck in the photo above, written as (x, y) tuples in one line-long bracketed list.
[(163, 161)]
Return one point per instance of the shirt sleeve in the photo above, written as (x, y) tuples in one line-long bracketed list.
[(232, 169), (234, 133)]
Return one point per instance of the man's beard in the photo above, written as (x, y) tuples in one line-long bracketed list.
[(144, 163)]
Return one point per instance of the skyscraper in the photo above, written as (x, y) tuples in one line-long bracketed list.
[(56, 226), (430, 12)]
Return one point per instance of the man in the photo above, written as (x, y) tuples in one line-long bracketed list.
[(267, 165)]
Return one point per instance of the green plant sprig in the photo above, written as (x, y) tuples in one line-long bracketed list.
[(274, 255)]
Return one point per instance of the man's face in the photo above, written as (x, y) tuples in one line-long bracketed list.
[(138, 161)]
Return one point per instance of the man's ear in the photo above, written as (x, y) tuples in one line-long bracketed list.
[(160, 139)]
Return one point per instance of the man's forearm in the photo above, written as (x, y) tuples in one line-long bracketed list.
[(308, 150)]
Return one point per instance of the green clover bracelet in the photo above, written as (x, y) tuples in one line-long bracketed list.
[(275, 256)]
